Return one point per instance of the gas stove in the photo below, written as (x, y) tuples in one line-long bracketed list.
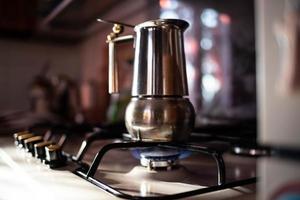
[(105, 164)]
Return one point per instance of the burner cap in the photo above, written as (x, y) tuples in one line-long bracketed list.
[(160, 159)]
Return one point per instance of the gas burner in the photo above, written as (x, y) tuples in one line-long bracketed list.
[(160, 159)]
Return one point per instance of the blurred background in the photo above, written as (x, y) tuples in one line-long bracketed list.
[(54, 59)]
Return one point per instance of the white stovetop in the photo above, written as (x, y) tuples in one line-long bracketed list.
[(24, 177)]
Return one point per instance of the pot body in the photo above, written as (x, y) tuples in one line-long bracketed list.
[(159, 60), (161, 119)]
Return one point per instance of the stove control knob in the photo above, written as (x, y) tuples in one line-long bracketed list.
[(39, 149), (29, 143), (22, 138), (54, 156), (16, 135)]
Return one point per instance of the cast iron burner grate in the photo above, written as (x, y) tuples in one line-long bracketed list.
[(88, 172)]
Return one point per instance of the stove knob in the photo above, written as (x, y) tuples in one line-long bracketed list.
[(29, 143), (22, 138), (39, 149), (54, 157), (16, 135)]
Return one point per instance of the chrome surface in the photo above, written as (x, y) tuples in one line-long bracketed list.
[(113, 83), (181, 24), (160, 119), (114, 22), (160, 159), (157, 111), (248, 151), (158, 164), (159, 64)]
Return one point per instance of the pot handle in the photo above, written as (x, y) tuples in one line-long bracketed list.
[(113, 81), (112, 39)]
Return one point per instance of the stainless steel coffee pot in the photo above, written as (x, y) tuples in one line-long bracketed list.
[(159, 109)]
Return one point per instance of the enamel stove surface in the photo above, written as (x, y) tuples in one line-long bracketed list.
[(24, 177)]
